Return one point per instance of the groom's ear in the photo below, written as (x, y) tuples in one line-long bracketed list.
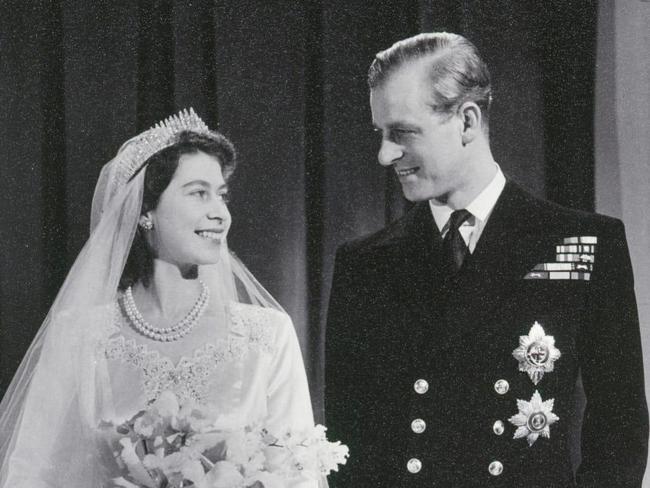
[(471, 116)]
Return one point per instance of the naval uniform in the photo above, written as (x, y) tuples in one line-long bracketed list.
[(468, 379)]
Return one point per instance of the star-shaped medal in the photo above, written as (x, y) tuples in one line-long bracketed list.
[(536, 353), (534, 418)]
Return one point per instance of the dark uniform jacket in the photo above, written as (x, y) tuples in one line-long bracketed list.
[(395, 318)]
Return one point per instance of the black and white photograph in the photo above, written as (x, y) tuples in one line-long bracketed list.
[(324, 244)]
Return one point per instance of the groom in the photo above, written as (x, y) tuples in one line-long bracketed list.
[(456, 335)]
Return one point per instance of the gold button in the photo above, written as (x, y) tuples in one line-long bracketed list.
[(421, 386), (501, 387), (495, 468), (414, 465), (418, 426)]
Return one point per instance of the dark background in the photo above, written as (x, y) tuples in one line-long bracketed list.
[(285, 80)]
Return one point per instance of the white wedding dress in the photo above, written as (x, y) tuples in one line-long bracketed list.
[(87, 366), (250, 371)]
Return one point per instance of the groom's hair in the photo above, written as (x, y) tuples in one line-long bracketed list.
[(457, 73)]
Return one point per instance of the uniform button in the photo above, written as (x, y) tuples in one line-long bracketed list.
[(495, 468), (498, 427), (414, 465), (421, 386), (418, 426), (501, 387)]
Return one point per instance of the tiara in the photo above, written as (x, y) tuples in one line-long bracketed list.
[(137, 150)]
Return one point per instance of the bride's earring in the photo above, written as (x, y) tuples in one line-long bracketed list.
[(146, 224)]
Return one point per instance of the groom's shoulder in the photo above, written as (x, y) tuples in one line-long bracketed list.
[(545, 214), (387, 238)]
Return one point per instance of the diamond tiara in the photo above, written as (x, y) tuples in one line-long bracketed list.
[(136, 151)]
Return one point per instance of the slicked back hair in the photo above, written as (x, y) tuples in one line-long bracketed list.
[(456, 71)]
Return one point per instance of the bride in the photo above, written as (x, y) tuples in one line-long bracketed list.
[(155, 302)]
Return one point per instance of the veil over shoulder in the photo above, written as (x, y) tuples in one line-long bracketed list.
[(65, 388)]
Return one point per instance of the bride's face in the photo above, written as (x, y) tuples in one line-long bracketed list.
[(191, 220)]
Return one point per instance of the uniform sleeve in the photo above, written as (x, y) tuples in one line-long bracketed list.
[(343, 403), (615, 425)]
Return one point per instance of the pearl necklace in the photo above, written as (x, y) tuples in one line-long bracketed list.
[(166, 334)]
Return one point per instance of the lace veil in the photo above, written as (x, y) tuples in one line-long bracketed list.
[(49, 409)]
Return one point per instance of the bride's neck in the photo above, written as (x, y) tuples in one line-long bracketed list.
[(171, 291)]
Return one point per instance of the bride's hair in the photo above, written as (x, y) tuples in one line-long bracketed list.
[(159, 171)]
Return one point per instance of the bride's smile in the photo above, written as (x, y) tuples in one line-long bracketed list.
[(191, 220)]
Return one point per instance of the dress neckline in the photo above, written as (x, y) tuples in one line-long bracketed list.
[(240, 330)]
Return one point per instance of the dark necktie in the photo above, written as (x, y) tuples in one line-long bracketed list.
[(453, 245)]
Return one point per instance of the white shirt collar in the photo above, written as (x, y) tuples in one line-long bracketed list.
[(480, 207)]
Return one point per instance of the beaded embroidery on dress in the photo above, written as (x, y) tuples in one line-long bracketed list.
[(250, 329)]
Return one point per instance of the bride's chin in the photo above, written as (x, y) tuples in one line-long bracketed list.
[(208, 261)]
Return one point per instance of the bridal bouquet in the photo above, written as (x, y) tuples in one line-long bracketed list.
[(176, 444)]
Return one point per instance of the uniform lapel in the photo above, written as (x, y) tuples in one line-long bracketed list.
[(498, 264), (406, 256), (416, 247), (432, 307), (413, 251)]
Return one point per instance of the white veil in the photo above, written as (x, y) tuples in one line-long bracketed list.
[(49, 410)]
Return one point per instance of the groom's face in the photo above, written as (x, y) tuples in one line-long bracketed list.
[(422, 146)]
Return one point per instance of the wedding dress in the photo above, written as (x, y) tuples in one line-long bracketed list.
[(88, 367), (251, 371)]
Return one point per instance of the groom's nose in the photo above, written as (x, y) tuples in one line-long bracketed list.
[(389, 153)]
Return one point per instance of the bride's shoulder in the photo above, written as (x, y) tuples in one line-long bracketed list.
[(85, 314), (83, 323), (255, 315), (259, 323)]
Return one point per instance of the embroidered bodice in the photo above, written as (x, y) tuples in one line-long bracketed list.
[(252, 372), (250, 369), (250, 329)]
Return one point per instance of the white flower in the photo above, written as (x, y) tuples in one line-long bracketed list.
[(134, 466), (269, 480), (224, 474), (148, 424), (319, 432), (123, 483), (333, 454), (307, 454), (176, 443), (534, 418), (193, 471), (193, 418), (167, 404), (245, 448)]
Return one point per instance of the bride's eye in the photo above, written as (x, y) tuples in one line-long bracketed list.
[(199, 193), (225, 197)]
